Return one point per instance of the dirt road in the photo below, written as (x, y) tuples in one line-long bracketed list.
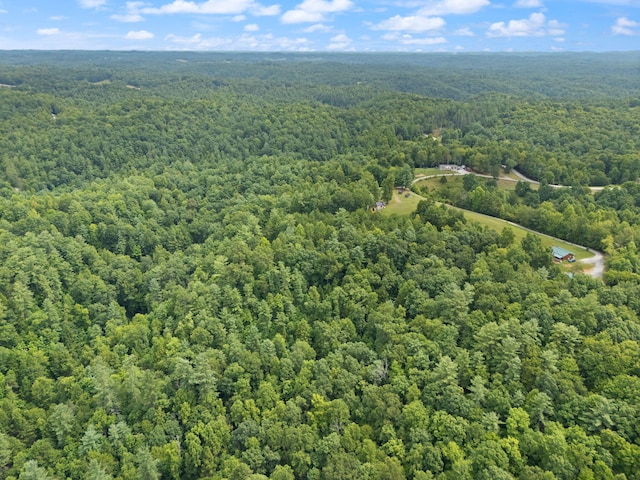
[(598, 264)]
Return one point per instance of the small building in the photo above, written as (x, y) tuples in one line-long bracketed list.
[(379, 206), (451, 167), (560, 255)]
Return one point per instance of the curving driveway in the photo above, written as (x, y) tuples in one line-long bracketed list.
[(530, 180), (598, 264)]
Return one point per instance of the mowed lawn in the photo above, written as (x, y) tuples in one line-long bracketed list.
[(429, 171), (400, 204)]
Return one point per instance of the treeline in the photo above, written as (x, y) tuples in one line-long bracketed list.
[(565, 76)]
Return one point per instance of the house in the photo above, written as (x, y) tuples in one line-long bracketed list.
[(451, 167), (379, 206), (560, 255)]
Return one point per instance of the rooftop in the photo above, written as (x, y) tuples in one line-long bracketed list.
[(559, 252)]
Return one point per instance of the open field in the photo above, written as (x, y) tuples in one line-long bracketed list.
[(402, 205), (433, 183), (428, 171)]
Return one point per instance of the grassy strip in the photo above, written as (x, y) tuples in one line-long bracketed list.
[(429, 171)]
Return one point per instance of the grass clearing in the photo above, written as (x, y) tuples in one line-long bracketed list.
[(434, 183), (429, 171), (402, 205), (506, 184)]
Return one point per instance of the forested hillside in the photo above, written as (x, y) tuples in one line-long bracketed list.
[(193, 284)]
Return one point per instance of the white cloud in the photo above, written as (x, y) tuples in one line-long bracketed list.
[(627, 3), (196, 42), (252, 27), (49, 39), (411, 24), (624, 26), (182, 6), (318, 27), (262, 11), (302, 16), (448, 7), (197, 38), (534, 26), (48, 31), (128, 18), (132, 13), (91, 3), (556, 28), (57, 18), (2, 10), (138, 35), (315, 10), (211, 7), (239, 18), (339, 42), (244, 42), (286, 43), (464, 32), (528, 4), (409, 40)]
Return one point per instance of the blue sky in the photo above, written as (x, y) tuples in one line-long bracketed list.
[(322, 25)]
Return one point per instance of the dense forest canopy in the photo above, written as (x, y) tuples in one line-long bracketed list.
[(568, 75), (193, 285)]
